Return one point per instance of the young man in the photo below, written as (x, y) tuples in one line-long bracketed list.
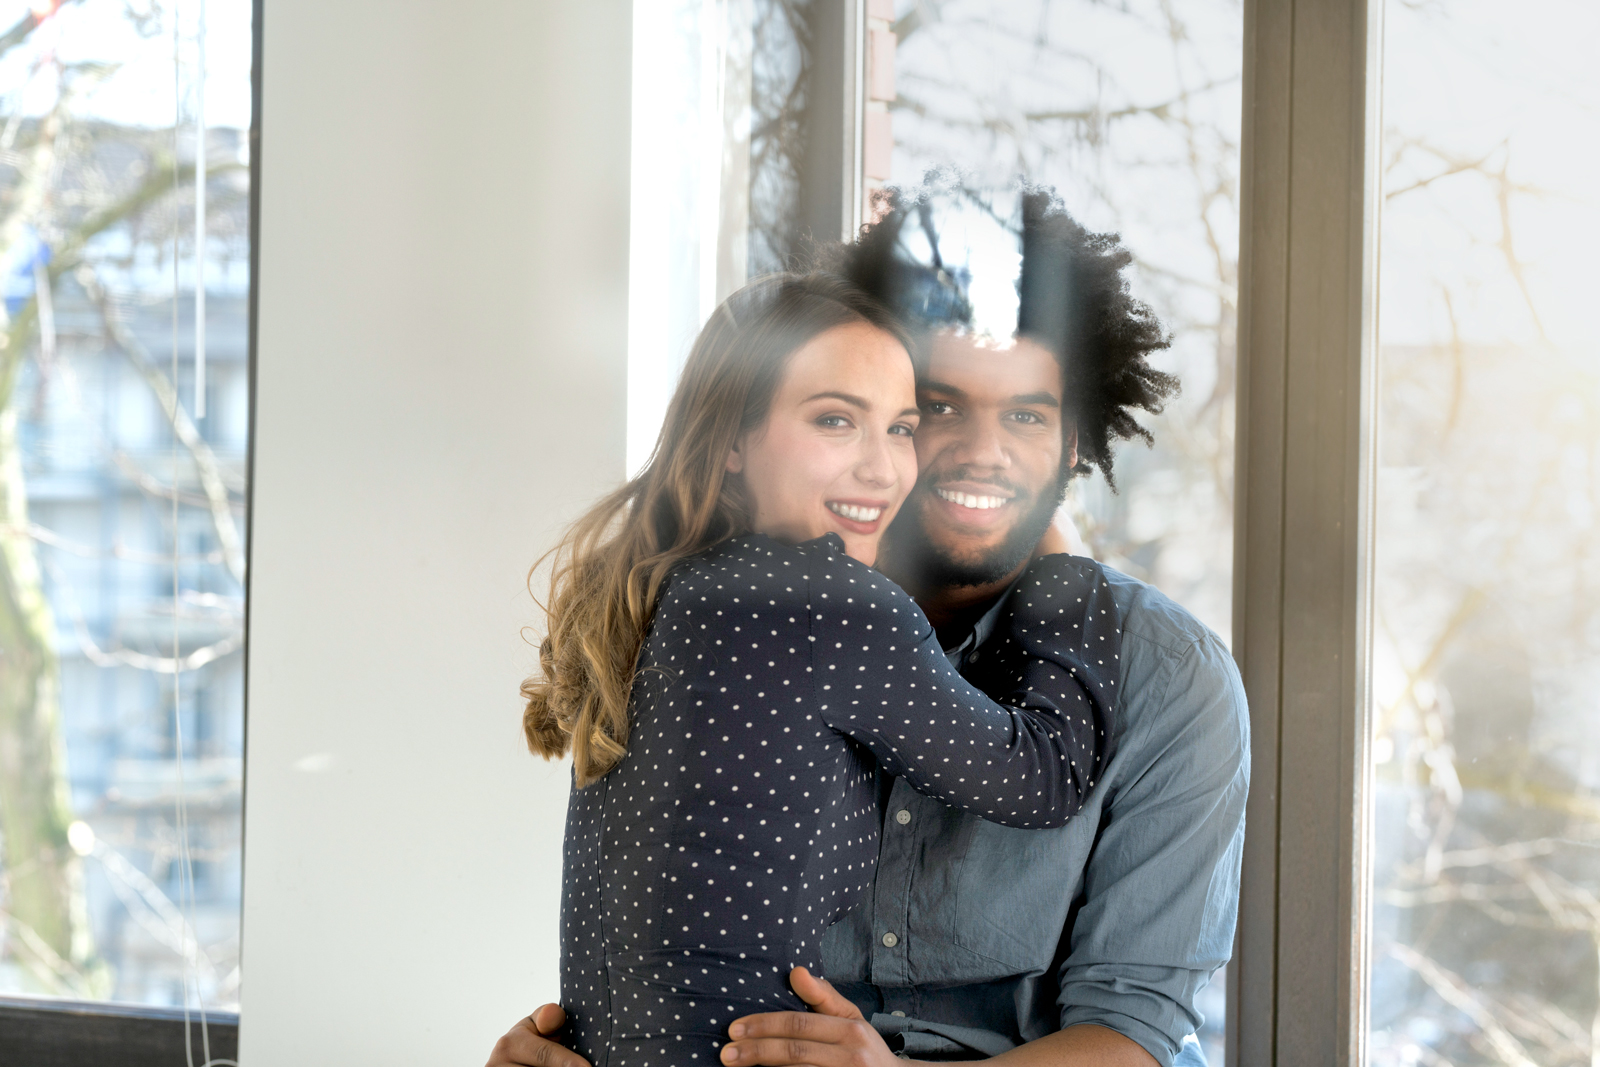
[(1085, 945)]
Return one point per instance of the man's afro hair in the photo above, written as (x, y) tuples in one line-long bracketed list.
[(1072, 298)]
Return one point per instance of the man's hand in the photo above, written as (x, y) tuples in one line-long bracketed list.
[(833, 1034), (529, 1044)]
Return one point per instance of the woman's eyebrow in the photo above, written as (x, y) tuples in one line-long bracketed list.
[(909, 411), (848, 398)]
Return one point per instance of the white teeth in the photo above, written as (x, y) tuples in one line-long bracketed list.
[(967, 500), (852, 511)]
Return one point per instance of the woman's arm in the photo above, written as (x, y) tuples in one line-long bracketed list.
[(1028, 760)]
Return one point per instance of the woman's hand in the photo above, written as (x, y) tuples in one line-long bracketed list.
[(832, 1034), (529, 1044)]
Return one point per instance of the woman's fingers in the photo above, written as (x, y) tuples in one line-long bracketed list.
[(821, 996)]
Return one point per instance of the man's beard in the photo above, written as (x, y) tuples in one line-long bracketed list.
[(914, 555)]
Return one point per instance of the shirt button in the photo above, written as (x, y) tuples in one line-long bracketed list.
[(889, 940), (902, 816), (898, 1014)]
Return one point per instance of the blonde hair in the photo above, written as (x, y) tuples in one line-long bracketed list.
[(609, 569)]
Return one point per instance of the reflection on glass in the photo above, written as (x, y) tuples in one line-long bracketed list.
[(1132, 112), (121, 506), (1486, 748), (719, 110)]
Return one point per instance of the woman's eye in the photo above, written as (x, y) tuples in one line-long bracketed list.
[(833, 421), (903, 429)]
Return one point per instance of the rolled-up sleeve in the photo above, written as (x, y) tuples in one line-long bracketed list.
[(1161, 888)]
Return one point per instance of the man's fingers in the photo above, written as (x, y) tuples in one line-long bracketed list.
[(783, 1052), (821, 996), (548, 1018), (791, 1024), (524, 1046)]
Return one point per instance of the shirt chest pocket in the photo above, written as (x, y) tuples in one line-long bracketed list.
[(1014, 891)]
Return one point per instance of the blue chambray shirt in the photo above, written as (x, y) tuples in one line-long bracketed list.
[(978, 937)]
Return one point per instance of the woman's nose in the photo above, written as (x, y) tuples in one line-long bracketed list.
[(876, 467)]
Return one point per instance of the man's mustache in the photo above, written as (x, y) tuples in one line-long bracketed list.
[(934, 479)]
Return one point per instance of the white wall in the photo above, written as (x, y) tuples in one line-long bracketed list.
[(441, 385)]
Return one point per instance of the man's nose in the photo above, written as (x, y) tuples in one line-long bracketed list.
[(980, 445)]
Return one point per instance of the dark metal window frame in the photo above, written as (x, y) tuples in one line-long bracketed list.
[(36, 1032), (51, 1032)]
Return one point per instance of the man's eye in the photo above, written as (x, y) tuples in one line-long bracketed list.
[(937, 407), (1027, 416)]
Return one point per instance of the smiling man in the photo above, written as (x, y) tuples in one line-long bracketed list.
[(1086, 945)]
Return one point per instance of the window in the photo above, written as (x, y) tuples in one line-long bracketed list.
[(125, 391), (1486, 633)]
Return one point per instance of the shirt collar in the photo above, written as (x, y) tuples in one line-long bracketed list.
[(981, 631)]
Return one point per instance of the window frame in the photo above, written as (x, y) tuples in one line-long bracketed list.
[(42, 1032), (1310, 196)]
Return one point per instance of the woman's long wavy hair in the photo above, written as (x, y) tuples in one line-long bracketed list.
[(608, 571)]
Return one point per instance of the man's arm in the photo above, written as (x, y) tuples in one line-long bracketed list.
[(836, 1035), (1161, 888)]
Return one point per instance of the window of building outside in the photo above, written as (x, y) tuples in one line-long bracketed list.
[(123, 439), (1131, 111), (1486, 718)]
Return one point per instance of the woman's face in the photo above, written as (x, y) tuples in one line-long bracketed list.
[(835, 453)]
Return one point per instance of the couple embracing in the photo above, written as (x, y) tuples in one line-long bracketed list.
[(866, 765)]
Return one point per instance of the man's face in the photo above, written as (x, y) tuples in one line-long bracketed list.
[(989, 455)]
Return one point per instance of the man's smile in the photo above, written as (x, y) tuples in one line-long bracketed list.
[(968, 500), (975, 505)]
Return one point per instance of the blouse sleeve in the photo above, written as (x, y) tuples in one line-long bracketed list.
[(881, 679)]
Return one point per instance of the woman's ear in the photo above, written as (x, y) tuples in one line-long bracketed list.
[(736, 458)]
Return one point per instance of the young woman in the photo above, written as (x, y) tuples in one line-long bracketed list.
[(725, 667)]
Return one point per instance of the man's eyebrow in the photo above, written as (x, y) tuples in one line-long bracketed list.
[(830, 394), (1045, 400), (940, 387)]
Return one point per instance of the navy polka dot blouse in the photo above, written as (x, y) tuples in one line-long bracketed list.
[(743, 820)]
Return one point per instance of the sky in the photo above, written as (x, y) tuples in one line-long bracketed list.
[(140, 92)]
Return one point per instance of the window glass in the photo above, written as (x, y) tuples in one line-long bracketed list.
[(122, 490), (1486, 742), (720, 94), (1131, 110)]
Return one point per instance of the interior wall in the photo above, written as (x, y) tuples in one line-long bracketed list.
[(441, 384)]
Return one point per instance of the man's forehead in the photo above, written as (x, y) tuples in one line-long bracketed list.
[(980, 369)]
